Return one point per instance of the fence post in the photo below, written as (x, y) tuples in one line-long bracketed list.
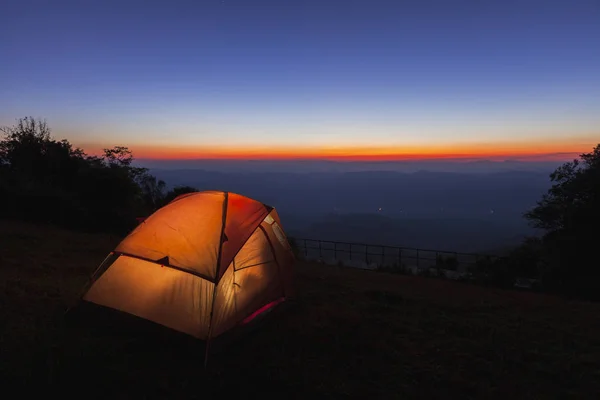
[(462, 266)]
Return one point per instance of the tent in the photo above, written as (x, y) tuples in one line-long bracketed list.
[(201, 265)]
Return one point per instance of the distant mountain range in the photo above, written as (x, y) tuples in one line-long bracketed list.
[(452, 234), (479, 166), (469, 212)]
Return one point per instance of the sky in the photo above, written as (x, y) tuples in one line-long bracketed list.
[(323, 79)]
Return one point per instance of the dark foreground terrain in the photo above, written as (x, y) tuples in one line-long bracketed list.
[(347, 333)]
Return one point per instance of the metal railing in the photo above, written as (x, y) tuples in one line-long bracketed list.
[(372, 256)]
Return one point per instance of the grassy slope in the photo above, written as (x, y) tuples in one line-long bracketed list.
[(348, 332)]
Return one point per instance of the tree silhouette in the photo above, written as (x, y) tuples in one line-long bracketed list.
[(570, 215), (178, 191), (153, 191), (573, 198), (43, 179)]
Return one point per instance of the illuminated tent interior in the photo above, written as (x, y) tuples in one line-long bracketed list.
[(201, 265)]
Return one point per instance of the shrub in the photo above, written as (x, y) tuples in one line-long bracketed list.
[(47, 180), (449, 263)]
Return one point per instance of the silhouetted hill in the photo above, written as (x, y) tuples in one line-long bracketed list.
[(445, 210), (312, 165), (420, 194)]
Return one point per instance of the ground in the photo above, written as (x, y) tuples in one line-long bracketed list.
[(347, 333)]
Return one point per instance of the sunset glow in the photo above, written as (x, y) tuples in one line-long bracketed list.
[(525, 151)]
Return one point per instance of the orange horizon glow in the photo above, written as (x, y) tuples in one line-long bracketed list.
[(547, 151)]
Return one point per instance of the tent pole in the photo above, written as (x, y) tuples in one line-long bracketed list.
[(212, 306)]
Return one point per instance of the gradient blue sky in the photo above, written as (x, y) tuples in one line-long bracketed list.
[(220, 76)]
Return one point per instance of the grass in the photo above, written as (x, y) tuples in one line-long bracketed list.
[(347, 333)]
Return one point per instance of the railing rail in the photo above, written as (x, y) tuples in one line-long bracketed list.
[(376, 255)]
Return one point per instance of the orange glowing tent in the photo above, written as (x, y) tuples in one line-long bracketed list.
[(202, 265)]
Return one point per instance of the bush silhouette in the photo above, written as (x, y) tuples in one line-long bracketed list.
[(48, 180), (448, 262), (564, 258), (177, 191), (569, 213)]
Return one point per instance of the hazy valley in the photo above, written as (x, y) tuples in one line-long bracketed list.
[(459, 211)]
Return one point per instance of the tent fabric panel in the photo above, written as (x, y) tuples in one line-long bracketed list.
[(175, 299), (255, 287), (250, 287), (244, 215), (242, 292), (187, 231), (256, 250), (281, 249), (274, 221), (225, 310)]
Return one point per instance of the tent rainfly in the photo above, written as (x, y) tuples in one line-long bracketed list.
[(202, 265)]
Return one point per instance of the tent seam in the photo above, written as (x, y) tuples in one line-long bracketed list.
[(274, 257), (212, 306), (245, 241), (175, 267), (256, 265)]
